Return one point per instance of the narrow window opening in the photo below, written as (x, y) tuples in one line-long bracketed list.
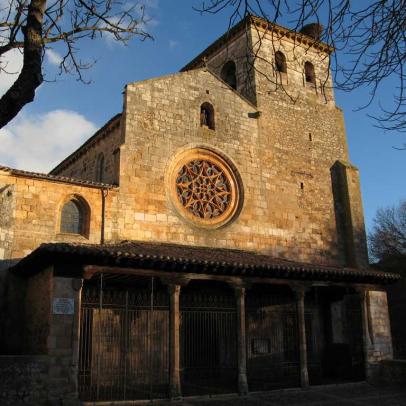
[(207, 116), (116, 155), (301, 185), (309, 73), (310, 137), (74, 217), (280, 62), (229, 74)]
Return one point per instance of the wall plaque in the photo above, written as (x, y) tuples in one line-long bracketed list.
[(63, 305)]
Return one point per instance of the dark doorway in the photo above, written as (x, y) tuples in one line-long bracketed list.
[(272, 338), (208, 339), (342, 353)]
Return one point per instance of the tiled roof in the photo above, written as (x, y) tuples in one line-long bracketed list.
[(54, 178), (188, 259)]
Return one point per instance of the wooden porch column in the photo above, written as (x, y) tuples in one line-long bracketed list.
[(77, 286), (174, 342), (300, 309), (241, 340)]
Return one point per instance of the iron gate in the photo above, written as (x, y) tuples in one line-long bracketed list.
[(208, 342), (124, 339), (355, 337), (272, 341)]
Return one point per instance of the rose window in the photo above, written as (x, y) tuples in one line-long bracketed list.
[(203, 189)]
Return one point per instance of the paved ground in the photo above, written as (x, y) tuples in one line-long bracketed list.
[(360, 394)]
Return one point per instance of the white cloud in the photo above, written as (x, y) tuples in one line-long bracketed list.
[(53, 57), (11, 64), (38, 143)]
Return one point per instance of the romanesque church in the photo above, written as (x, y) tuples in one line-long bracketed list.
[(208, 239)]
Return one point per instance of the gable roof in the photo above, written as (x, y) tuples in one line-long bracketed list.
[(188, 259)]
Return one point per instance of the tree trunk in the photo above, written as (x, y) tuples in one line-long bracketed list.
[(23, 89)]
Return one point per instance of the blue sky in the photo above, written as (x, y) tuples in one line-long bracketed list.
[(66, 112)]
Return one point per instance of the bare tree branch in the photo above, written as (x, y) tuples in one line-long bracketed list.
[(369, 39), (388, 238), (35, 25)]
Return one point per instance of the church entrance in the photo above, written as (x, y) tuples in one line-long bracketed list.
[(142, 339), (272, 338), (123, 351), (208, 339), (342, 356)]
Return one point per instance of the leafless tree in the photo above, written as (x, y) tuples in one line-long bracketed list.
[(369, 39), (388, 238), (33, 25)]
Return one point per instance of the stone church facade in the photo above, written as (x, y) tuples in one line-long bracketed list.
[(208, 239)]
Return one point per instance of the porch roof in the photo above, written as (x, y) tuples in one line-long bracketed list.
[(70, 258)]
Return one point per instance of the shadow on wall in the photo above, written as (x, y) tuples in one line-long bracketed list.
[(344, 240), (349, 218), (4, 308)]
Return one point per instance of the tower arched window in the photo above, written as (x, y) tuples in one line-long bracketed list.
[(229, 74), (100, 168), (280, 62), (207, 116), (309, 73), (75, 216)]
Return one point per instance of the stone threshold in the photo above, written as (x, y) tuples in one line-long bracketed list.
[(223, 396)]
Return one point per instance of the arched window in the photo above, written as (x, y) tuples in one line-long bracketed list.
[(100, 168), (75, 217), (280, 62), (229, 74), (309, 73), (207, 116)]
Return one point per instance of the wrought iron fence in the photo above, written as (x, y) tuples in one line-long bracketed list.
[(124, 341), (208, 343), (272, 341)]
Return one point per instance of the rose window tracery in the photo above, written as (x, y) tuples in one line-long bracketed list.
[(203, 189)]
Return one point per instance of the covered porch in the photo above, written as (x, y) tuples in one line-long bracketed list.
[(158, 321)]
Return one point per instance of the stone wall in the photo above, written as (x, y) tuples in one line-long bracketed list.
[(379, 339), (63, 345), (23, 380), (37, 205), (301, 133), (14, 307), (38, 313), (282, 170), (349, 214), (284, 149), (47, 373), (292, 84), (83, 164), (238, 51), (7, 211), (380, 331)]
